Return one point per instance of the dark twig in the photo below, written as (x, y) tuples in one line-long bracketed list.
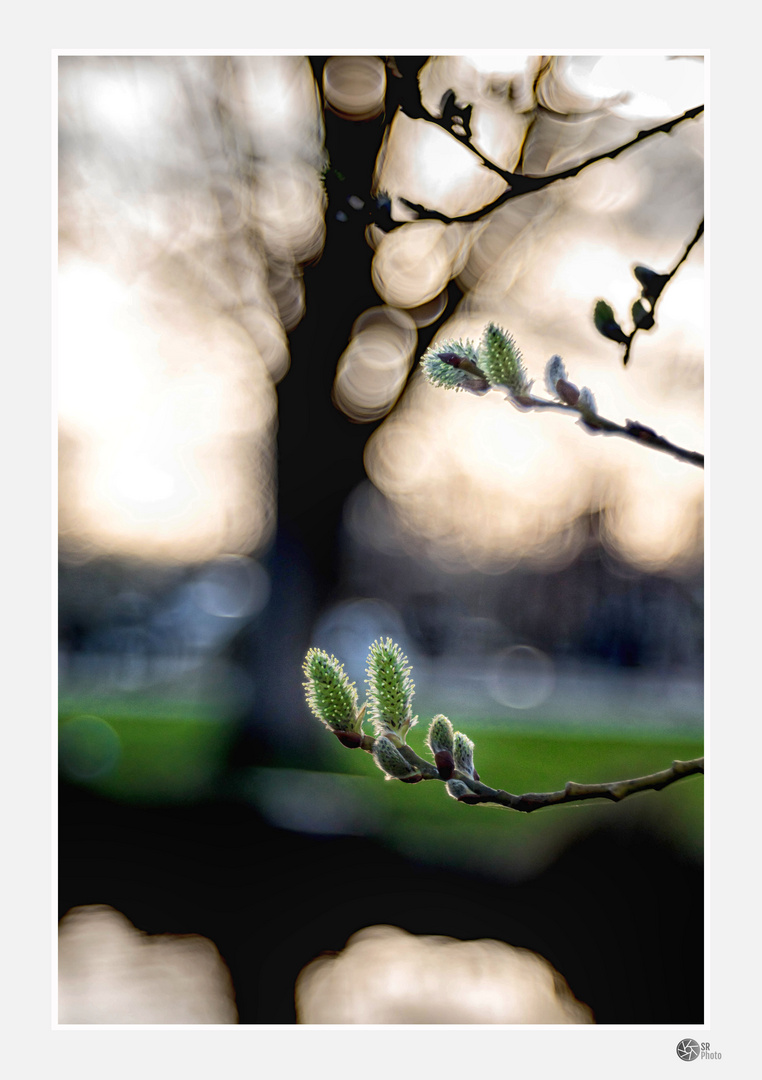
[(633, 430), (525, 185), (661, 282), (454, 117), (476, 793), (615, 791)]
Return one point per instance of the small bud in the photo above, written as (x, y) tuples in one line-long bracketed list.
[(606, 324), (554, 370), (640, 431), (440, 740), (390, 760), (557, 381), (454, 365), (440, 734), (457, 789), (643, 319), (567, 391), (586, 402), (500, 360), (463, 753), (652, 283)]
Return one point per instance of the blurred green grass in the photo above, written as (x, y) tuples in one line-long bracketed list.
[(422, 821), (167, 750), (170, 751)]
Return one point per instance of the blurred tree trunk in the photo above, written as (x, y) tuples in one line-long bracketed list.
[(320, 451)]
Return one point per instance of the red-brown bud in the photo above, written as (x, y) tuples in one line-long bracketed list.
[(350, 739), (567, 391), (444, 762)]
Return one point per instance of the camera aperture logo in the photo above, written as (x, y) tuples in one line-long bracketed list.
[(690, 1050)]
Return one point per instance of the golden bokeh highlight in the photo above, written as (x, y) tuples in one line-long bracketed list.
[(182, 242), (167, 419), (374, 367), (355, 86), (111, 973), (385, 975)]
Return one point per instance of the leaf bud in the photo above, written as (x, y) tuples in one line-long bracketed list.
[(390, 760), (554, 370), (567, 391), (651, 283), (642, 318), (454, 365), (606, 324), (457, 789), (440, 740), (463, 753)]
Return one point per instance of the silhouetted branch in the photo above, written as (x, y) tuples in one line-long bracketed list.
[(652, 285), (632, 429), (520, 184), (496, 363), (454, 117)]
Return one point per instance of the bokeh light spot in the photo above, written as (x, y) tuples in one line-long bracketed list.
[(523, 677), (88, 748)]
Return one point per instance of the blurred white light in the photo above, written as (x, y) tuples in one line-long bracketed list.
[(387, 976), (426, 165), (373, 368), (649, 86), (523, 677), (111, 973), (161, 406)]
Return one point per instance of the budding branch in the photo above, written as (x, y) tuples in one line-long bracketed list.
[(520, 184), (481, 794), (631, 430)]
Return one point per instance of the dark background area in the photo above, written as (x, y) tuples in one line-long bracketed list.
[(619, 913)]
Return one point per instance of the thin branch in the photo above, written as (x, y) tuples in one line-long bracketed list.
[(632, 429), (571, 792), (663, 281), (481, 794), (524, 185), (453, 114)]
